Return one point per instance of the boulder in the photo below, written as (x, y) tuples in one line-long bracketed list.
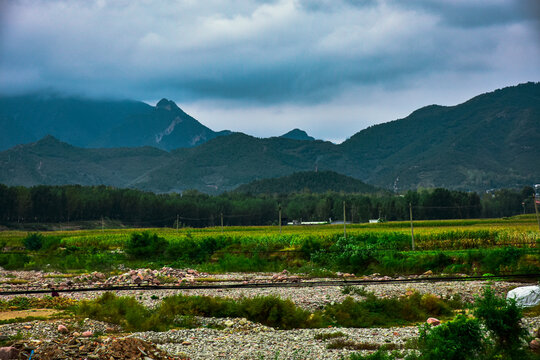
[(433, 321), (87, 333), (525, 296), (535, 345), (62, 329), (8, 353)]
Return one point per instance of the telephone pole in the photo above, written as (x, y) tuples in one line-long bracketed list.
[(412, 228), (536, 210), (344, 222), (280, 219)]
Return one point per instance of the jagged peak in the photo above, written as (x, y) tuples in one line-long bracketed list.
[(166, 104)]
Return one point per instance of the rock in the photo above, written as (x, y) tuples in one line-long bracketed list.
[(186, 343), (228, 323), (62, 329), (27, 327), (8, 353), (87, 333), (433, 321), (76, 334), (535, 345), (429, 272)]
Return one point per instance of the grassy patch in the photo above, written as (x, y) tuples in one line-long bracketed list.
[(328, 336)]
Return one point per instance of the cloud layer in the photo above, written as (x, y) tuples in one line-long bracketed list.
[(311, 61)]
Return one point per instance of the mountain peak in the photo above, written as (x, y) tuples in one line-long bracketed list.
[(297, 134), (166, 104)]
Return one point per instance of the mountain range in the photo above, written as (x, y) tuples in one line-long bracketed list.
[(99, 123), (490, 141)]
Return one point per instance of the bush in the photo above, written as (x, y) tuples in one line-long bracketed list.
[(33, 241), (459, 339), (145, 245), (503, 320), (374, 311), (124, 311)]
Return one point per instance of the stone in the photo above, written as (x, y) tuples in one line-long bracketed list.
[(186, 343), (535, 345), (76, 334), (429, 272), (27, 327), (62, 329), (87, 333), (433, 321), (9, 353), (228, 323)]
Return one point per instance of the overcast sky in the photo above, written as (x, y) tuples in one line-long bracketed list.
[(330, 67)]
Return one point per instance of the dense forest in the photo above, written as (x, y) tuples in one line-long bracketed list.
[(133, 207)]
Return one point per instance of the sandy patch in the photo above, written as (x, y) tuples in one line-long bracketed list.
[(7, 315)]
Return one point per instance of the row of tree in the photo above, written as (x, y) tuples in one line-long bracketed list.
[(74, 203)]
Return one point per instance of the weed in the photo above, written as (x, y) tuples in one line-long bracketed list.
[(328, 336)]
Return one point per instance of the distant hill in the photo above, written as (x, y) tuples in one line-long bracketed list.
[(297, 134), (490, 141), (312, 181), (99, 123)]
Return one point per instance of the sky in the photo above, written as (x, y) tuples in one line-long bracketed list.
[(329, 67)]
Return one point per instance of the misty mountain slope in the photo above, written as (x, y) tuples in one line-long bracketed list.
[(165, 126), (488, 141), (225, 162), (98, 123), (52, 162)]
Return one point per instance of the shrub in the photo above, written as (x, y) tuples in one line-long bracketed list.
[(33, 241), (124, 311), (459, 339), (503, 320), (145, 245), (374, 311)]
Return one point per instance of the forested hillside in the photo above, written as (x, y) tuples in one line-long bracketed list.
[(22, 205)]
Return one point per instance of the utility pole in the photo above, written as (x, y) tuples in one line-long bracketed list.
[(221, 215), (177, 221), (280, 219), (344, 222), (102, 225), (412, 228), (536, 210)]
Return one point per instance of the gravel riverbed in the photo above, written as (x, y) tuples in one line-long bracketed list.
[(242, 339)]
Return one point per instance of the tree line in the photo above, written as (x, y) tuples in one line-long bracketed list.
[(67, 203)]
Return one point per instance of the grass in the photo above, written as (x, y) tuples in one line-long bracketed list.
[(267, 310), (452, 246), (328, 336)]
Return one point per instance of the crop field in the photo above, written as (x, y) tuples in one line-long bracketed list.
[(452, 246)]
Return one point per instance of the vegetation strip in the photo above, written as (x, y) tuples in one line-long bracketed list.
[(274, 285)]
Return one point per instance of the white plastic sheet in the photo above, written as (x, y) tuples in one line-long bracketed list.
[(525, 296)]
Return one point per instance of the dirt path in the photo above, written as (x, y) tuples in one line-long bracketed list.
[(7, 315)]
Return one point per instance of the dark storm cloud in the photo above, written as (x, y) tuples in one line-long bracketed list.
[(268, 51), (266, 54)]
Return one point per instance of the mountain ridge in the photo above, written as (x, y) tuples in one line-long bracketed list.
[(489, 141)]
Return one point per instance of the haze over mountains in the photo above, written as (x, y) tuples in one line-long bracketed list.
[(490, 141), (99, 123)]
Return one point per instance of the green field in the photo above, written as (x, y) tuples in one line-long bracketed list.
[(498, 246)]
